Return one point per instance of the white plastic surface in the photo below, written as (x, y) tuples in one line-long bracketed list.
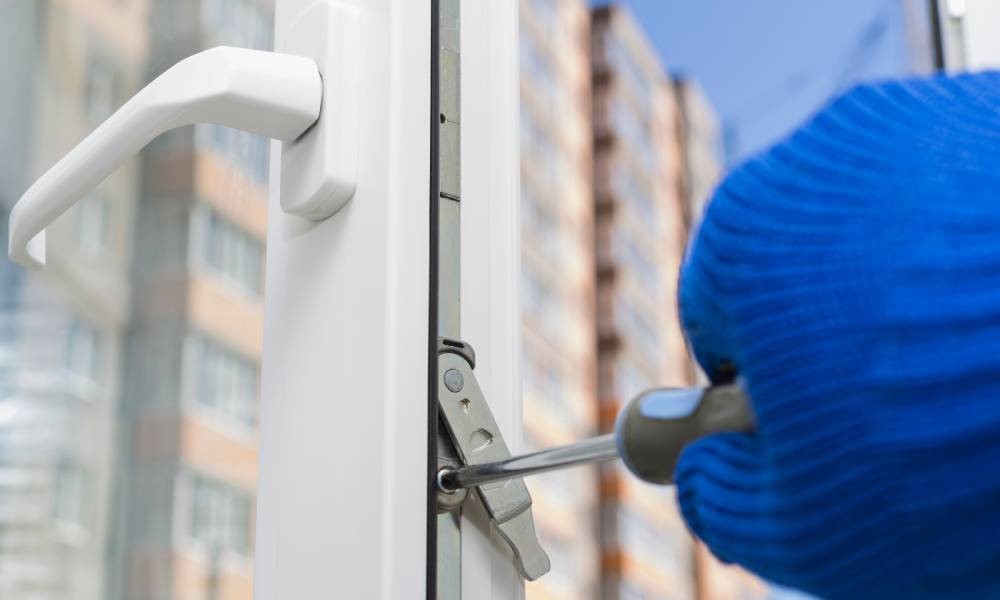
[(320, 169), (341, 498), (491, 261), (270, 94), (981, 46)]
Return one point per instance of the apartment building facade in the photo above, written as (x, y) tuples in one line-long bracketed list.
[(190, 445), (62, 332), (655, 164), (700, 140), (557, 284), (639, 241)]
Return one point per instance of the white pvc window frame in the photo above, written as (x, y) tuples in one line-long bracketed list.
[(491, 259), (969, 34), (341, 509)]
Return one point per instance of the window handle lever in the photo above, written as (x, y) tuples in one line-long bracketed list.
[(267, 93)]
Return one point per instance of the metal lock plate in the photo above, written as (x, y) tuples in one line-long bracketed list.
[(477, 438)]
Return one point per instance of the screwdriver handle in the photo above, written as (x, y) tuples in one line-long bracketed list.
[(655, 426), (649, 435)]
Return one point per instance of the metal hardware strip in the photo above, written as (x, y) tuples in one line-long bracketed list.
[(449, 532), (474, 431), (473, 436)]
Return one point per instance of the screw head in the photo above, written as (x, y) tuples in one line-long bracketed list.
[(453, 380)]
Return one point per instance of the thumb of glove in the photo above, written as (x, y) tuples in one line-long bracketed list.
[(722, 490)]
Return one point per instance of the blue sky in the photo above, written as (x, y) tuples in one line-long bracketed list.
[(768, 64)]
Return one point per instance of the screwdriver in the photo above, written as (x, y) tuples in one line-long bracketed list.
[(650, 432)]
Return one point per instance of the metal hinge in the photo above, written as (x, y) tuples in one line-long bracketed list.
[(477, 438)]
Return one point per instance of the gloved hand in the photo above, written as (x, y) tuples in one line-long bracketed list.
[(851, 274)]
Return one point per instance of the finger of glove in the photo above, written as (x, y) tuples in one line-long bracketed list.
[(721, 488), (734, 499), (700, 305)]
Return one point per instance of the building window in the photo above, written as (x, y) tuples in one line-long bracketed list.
[(224, 381), (541, 302), (101, 94), (543, 75), (636, 261), (229, 251), (241, 23), (565, 572), (220, 516), (559, 488), (538, 219), (635, 195), (245, 151), (69, 499), (637, 327), (547, 13), (541, 151), (83, 350), (641, 537), (625, 63), (544, 381), (630, 591), (92, 224), (631, 381), (635, 130)]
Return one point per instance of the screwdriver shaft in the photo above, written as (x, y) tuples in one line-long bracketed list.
[(593, 450)]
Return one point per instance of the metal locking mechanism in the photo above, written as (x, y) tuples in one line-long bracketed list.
[(477, 438)]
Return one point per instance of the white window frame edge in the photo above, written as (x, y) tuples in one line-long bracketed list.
[(341, 509), (341, 503), (491, 260), (978, 46)]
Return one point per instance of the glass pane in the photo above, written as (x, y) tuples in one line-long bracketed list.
[(129, 367), (619, 153)]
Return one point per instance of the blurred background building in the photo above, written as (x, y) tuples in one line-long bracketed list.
[(128, 448), (656, 162), (189, 412), (557, 284), (65, 67), (617, 160), (129, 372), (639, 239)]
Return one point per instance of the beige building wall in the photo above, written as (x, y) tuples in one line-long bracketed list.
[(191, 448), (656, 163), (130, 364), (557, 284), (698, 136), (640, 240), (67, 64)]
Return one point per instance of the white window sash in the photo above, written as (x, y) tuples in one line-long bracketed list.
[(341, 506)]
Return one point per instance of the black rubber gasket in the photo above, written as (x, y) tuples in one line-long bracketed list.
[(432, 317)]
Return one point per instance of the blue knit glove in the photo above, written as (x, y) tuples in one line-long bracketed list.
[(851, 275)]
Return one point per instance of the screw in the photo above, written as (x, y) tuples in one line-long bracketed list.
[(440, 481), (453, 380)]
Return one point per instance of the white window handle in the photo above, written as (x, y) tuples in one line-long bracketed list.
[(271, 94)]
